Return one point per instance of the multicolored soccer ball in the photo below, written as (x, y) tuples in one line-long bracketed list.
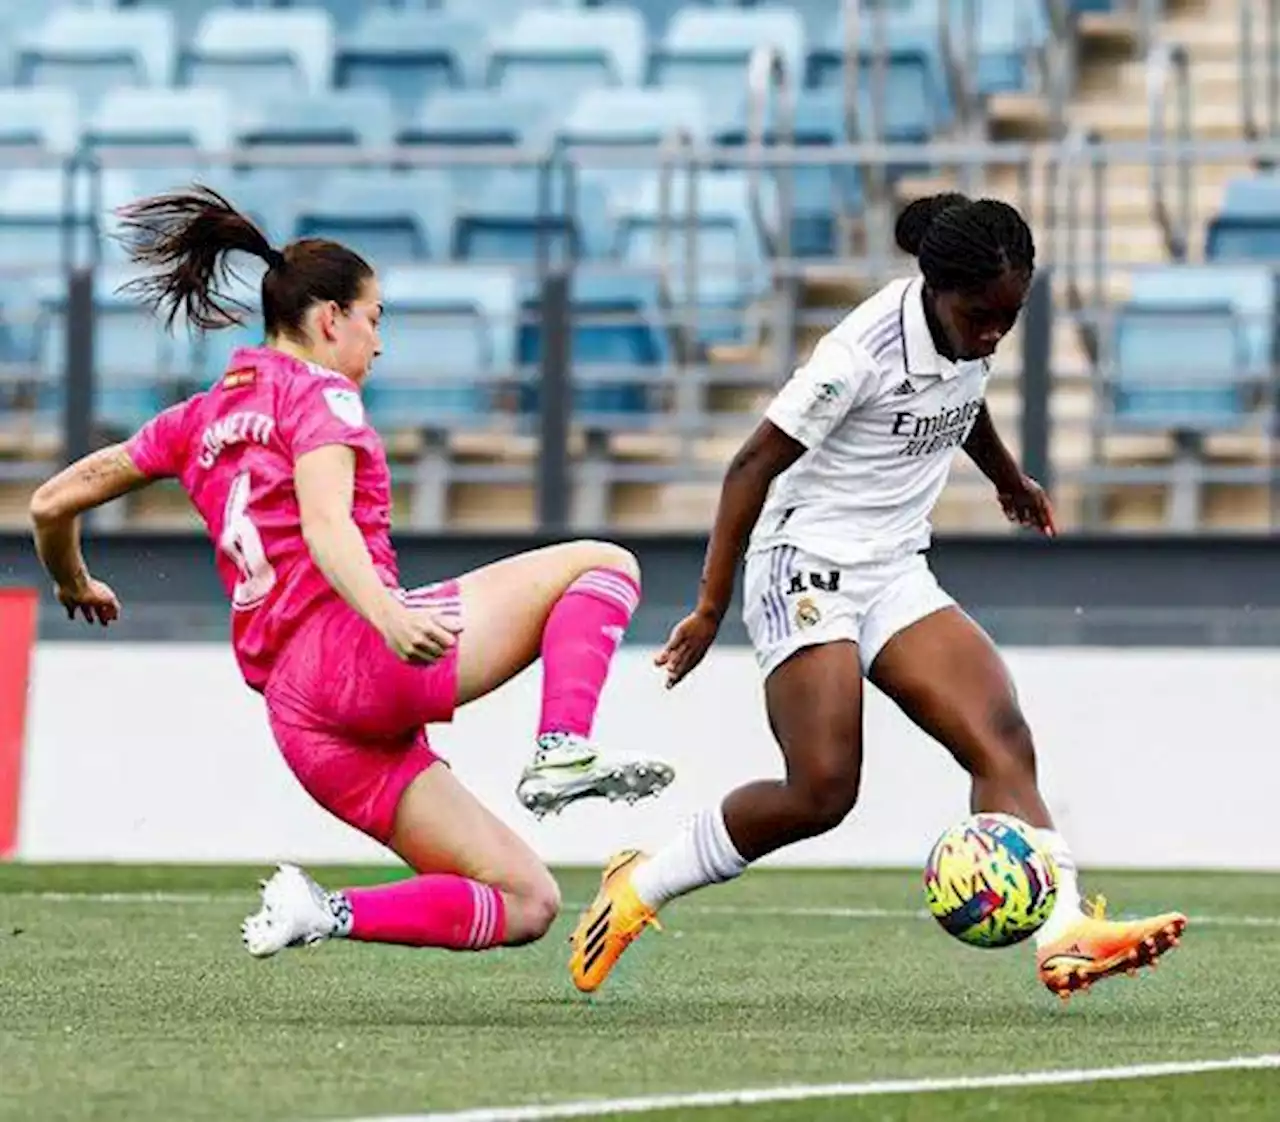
[(989, 882)]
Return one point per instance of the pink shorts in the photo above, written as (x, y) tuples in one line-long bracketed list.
[(348, 715)]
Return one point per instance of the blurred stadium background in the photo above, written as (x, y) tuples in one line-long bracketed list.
[(607, 230)]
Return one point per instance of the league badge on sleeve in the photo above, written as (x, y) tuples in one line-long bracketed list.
[(345, 405)]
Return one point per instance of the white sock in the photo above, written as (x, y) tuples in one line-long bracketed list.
[(1067, 910), (703, 854)]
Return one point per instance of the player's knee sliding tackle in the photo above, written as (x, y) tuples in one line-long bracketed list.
[(294, 487), (830, 501)]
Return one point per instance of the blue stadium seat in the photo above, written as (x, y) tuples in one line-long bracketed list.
[(92, 50), (135, 118), (259, 53), (47, 118), (554, 55), (345, 14), (34, 231), (617, 324), (187, 14), (1248, 227), (917, 100), (479, 119), (138, 366), (1188, 342), (358, 118), (631, 115), (342, 119), (518, 220), (1007, 32), (447, 333), (412, 54), (708, 49), (387, 218), (499, 13), (820, 192), (657, 14), (729, 252)]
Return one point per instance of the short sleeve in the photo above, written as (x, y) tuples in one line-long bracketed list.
[(820, 394), (323, 411), (159, 447)]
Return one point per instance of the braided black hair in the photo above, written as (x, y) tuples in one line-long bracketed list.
[(964, 245)]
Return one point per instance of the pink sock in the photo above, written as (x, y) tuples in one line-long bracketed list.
[(579, 642), (429, 911)]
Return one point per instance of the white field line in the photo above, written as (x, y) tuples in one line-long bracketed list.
[(645, 1104), (571, 907)]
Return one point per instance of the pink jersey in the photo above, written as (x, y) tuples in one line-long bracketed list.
[(233, 448)]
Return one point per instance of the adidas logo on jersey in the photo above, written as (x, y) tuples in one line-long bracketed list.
[(903, 388)]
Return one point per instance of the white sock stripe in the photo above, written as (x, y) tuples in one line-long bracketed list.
[(482, 914), (475, 913), (610, 586), (491, 926), (618, 594)]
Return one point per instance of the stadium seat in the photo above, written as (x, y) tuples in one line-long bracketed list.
[(345, 14), (554, 55), (479, 119), (412, 54), (617, 325), (1007, 33), (1187, 344), (727, 264), (448, 332), (917, 101), (187, 14), (34, 230), (1248, 227), (657, 14), (259, 53), (634, 115), (343, 120), (47, 118), (138, 366), (708, 49), (519, 219), (93, 50), (136, 118), (820, 191), (388, 218)]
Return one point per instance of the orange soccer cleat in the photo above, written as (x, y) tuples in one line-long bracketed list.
[(612, 923), (1095, 947)]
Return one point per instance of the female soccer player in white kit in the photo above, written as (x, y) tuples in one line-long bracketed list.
[(839, 481)]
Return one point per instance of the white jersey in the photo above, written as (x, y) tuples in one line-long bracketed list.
[(882, 415)]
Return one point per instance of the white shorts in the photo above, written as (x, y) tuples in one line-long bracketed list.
[(793, 600)]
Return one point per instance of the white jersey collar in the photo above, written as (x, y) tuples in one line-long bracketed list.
[(920, 356)]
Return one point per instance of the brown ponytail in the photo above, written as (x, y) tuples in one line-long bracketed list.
[(186, 238)]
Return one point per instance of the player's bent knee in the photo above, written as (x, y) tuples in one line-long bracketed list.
[(533, 908), (1008, 748), (609, 555), (824, 797)]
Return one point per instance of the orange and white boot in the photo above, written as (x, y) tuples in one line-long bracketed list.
[(614, 921), (1095, 947)]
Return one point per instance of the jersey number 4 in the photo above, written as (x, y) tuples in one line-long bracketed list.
[(241, 542)]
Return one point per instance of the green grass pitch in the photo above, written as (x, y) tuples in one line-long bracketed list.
[(116, 1006)]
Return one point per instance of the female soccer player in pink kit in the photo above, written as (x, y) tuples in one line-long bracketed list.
[(293, 485)]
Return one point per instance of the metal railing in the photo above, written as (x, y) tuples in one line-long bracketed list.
[(1166, 62), (1260, 51)]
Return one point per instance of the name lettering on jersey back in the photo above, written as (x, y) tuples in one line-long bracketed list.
[(233, 429), (935, 432)]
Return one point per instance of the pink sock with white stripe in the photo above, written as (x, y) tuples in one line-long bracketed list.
[(429, 911), (578, 644)]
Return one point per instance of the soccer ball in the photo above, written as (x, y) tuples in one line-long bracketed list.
[(989, 882)]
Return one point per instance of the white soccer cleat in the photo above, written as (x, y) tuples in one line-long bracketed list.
[(566, 768), (295, 912)]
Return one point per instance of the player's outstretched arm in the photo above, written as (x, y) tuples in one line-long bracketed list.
[(55, 511), (1023, 499), (767, 453), (325, 483)]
